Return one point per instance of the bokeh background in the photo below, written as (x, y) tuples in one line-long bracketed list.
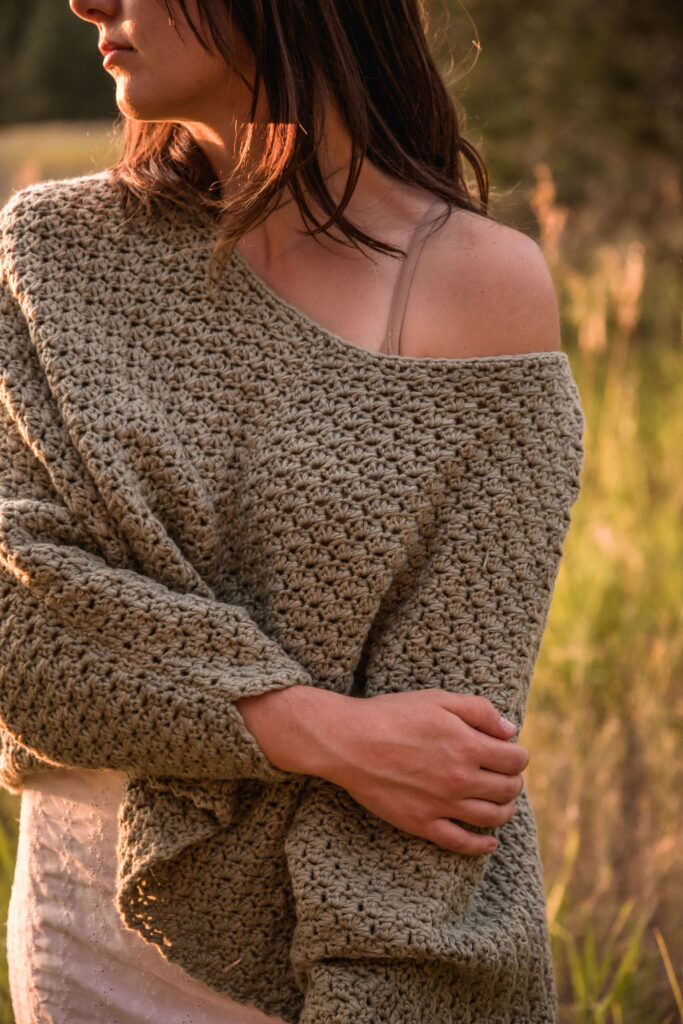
[(577, 108)]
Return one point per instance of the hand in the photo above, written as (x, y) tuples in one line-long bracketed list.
[(421, 758)]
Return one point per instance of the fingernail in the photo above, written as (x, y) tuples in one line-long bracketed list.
[(508, 726)]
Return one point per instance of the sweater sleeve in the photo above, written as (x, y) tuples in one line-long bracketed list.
[(102, 666)]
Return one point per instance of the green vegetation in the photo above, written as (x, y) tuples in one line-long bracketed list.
[(605, 716), (10, 808), (51, 68)]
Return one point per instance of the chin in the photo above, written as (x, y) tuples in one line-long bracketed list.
[(140, 104)]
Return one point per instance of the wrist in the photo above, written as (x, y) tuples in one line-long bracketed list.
[(295, 727)]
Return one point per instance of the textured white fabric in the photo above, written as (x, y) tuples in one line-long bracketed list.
[(71, 959)]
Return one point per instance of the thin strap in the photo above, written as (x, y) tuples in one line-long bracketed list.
[(399, 302)]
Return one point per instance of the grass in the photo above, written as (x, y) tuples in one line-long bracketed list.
[(10, 807), (605, 715)]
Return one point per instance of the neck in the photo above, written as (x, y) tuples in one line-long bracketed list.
[(284, 230)]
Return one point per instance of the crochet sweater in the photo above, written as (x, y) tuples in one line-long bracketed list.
[(206, 495)]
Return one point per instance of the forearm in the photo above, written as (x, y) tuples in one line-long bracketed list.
[(296, 727)]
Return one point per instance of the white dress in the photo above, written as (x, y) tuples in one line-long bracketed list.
[(71, 959)]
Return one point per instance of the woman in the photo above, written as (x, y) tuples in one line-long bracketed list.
[(232, 506)]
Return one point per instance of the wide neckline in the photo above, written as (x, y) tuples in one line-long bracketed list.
[(324, 334)]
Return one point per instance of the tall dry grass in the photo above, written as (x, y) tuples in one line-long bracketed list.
[(605, 716)]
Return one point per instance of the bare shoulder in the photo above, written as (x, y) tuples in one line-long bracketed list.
[(482, 288)]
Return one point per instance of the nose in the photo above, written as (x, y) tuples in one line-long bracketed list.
[(99, 11)]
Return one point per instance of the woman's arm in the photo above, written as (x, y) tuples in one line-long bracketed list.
[(416, 760), (102, 666)]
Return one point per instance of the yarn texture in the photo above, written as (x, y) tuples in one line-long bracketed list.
[(206, 495)]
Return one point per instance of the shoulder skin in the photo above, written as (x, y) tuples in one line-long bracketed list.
[(489, 285)]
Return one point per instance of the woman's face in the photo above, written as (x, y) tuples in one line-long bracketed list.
[(163, 73)]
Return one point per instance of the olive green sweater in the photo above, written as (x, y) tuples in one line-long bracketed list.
[(205, 496)]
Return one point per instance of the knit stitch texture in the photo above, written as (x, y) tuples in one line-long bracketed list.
[(205, 496)]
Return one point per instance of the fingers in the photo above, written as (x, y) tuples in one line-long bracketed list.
[(485, 813), (449, 836), (496, 787), (509, 758), (445, 832), (480, 713)]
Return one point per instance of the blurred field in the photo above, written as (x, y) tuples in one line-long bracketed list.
[(58, 149), (605, 717)]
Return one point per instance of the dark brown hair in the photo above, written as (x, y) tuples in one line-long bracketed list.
[(373, 58)]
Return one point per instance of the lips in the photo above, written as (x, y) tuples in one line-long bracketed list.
[(115, 52), (108, 45)]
